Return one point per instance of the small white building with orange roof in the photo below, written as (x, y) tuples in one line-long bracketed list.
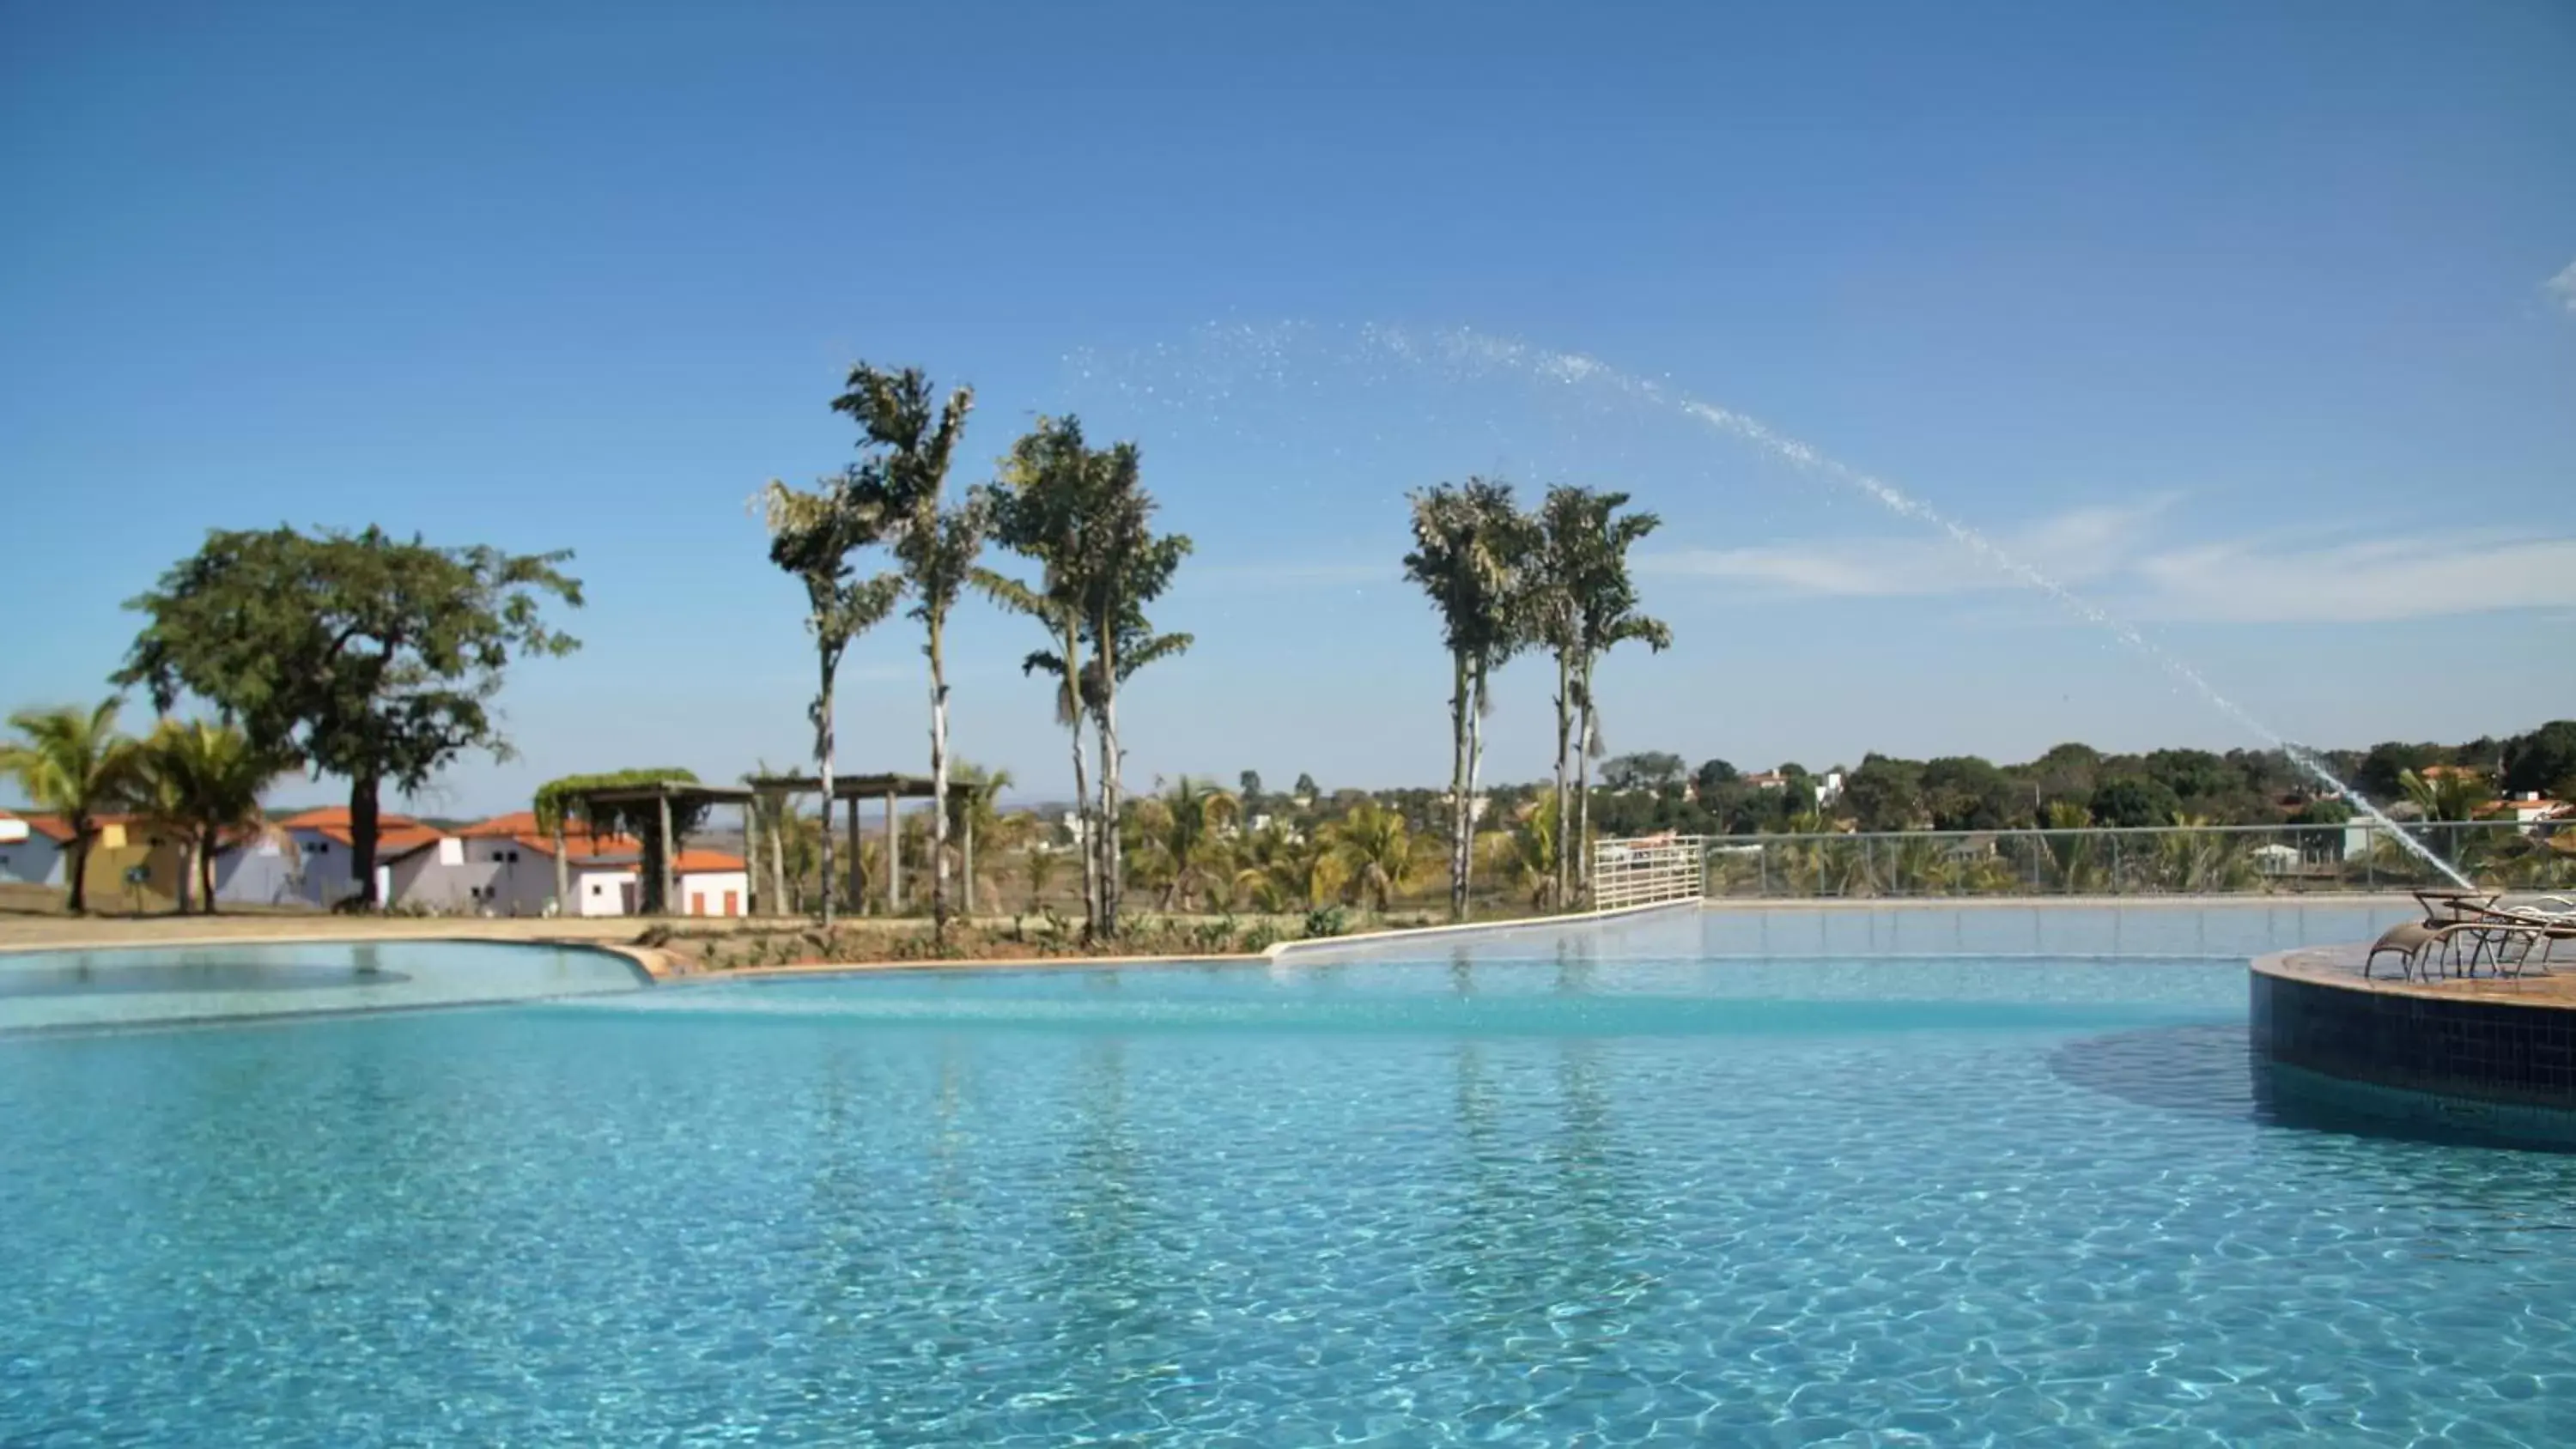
[(306, 858), (509, 864)]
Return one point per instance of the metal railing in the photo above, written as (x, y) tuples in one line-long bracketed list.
[(1647, 872), (2157, 860)]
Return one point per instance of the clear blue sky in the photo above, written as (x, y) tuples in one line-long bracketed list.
[(2242, 318)]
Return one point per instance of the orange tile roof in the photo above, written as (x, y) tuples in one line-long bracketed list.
[(520, 827), (49, 826), (395, 834), (707, 862)]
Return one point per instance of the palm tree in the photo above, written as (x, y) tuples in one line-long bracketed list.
[(1083, 516), (74, 763), (1283, 871), (1377, 853), (1468, 543), (1581, 565), (1530, 856), (812, 535), (1181, 840), (904, 480), (202, 781), (1605, 616)]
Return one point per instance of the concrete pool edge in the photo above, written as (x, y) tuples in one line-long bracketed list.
[(187, 1008)]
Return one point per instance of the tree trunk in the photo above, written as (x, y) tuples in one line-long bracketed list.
[(779, 904), (206, 849), (893, 857), (1582, 843), (823, 770), (563, 874), (1087, 842), (1564, 862), (1112, 881), (966, 857), (1475, 778), (76, 864), (1459, 704), (362, 838), (938, 788)]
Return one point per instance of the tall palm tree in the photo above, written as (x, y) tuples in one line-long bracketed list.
[(812, 536), (1378, 854), (915, 436), (1580, 573), (1468, 543), (1124, 566), (74, 763), (1605, 604), (1042, 501), (202, 781)]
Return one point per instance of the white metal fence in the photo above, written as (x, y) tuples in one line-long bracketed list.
[(2170, 860), (1644, 873)]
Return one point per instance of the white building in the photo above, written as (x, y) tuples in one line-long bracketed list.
[(305, 860), (31, 853), (508, 868)]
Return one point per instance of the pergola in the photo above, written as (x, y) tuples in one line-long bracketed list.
[(852, 789), (664, 794)]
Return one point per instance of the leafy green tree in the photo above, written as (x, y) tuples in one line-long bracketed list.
[(1645, 770), (1305, 787), (1885, 793), (2134, 801), (2382, 770), (1468, 543), (812, 536), (2543, 760), (363, 656), (910, 436), (1713, 776), (202, 781), (74, 763), (1248, 789), (1963, 792)]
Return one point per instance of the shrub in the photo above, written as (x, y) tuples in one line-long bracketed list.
[(1327, 921)]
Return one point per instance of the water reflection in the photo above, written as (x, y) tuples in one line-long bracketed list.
[(2213, 1071)]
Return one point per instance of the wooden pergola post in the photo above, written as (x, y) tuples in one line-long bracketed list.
[(858, 868), (894, 858), (670, 861), (778, 905)]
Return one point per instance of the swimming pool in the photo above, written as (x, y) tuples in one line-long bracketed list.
[(1547, 1188)]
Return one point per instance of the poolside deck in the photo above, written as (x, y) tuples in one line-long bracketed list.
[(2340, 966)]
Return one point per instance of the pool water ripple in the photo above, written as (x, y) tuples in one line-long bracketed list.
[(1658, 1200)]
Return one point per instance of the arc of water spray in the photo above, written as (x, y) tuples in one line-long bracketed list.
[(1478, 349)]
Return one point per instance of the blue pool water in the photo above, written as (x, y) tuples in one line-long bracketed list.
[(1546, 1189)]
